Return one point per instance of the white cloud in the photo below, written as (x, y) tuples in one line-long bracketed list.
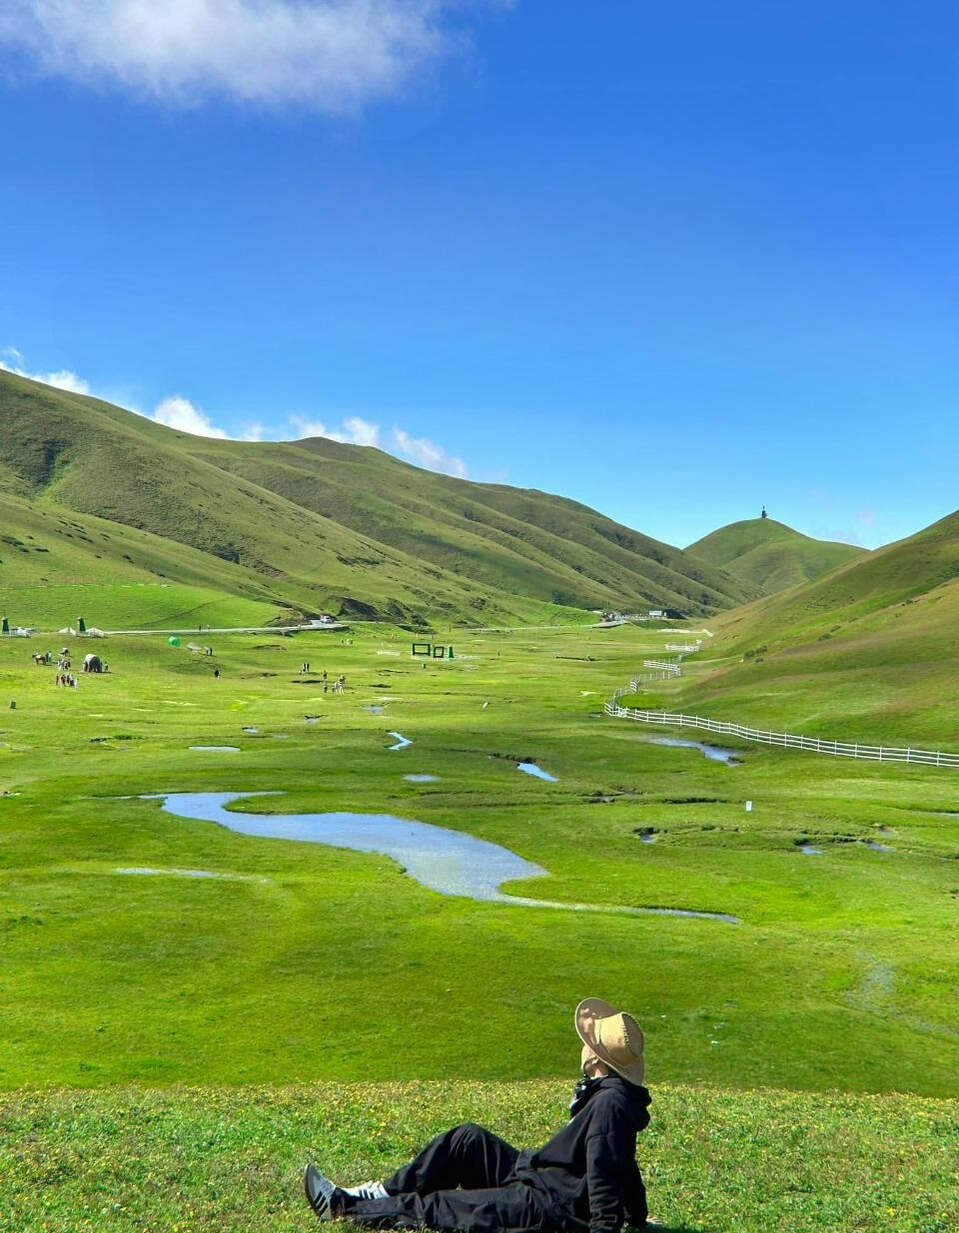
[(328, 55), (352, 431), (183, 415), (361, 432), (179, 413), (426, 453), (355, 431), (62, 379)]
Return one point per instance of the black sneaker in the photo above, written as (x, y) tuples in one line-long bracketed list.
[(319, 1191)]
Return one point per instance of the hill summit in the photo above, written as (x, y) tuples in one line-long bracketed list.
[(769, 555)]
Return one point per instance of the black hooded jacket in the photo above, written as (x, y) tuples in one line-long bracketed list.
[(589, 1167)]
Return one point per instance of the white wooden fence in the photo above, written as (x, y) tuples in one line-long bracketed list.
[(688, 648), (664, 665), (815, 744)]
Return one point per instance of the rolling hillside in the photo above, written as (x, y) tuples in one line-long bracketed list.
[(869, 651), (767, 554), (316, 524), (57, 565)]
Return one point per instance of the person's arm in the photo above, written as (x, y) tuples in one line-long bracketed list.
[(609, 1154)]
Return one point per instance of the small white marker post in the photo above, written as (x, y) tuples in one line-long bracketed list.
[(749, 806)]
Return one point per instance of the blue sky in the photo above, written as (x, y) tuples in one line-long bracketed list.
[(673, 260)]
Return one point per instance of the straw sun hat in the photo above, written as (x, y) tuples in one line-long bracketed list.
[(614, 1037)]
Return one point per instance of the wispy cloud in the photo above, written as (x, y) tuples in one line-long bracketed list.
[(355, 431), (173, 412), (426, 453), (183, 415), (352, 431), (62, 379), (179, 413), (327, 55)]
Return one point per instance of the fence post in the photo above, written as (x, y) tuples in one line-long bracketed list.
[(613, 706)]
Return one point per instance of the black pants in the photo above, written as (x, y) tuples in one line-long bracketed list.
[(462, 1182)]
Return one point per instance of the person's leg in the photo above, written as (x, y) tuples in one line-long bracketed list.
[(468, 1156), (506, 1209)]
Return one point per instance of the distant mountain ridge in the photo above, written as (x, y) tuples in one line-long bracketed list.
[(318, 524), (770, 555)]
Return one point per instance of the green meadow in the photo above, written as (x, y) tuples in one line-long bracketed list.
[(173, 1047), (196, 1160), (304, 963)]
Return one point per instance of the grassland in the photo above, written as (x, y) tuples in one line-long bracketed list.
[(841, 975), (172, 1045), (196, 1160)]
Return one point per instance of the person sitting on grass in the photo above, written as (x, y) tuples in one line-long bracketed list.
[(470, 1181)]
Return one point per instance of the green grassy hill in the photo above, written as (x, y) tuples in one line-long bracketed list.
[(767, 554), (868, 652), (57, 565), (326, 525)]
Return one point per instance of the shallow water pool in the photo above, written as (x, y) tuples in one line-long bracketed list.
[(448, 861), (729, 757), (531, 768)]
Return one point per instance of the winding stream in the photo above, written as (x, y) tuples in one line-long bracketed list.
[(729, 757), (451, 862)]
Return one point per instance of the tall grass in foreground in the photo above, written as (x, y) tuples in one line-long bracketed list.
[(197, 1159)]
